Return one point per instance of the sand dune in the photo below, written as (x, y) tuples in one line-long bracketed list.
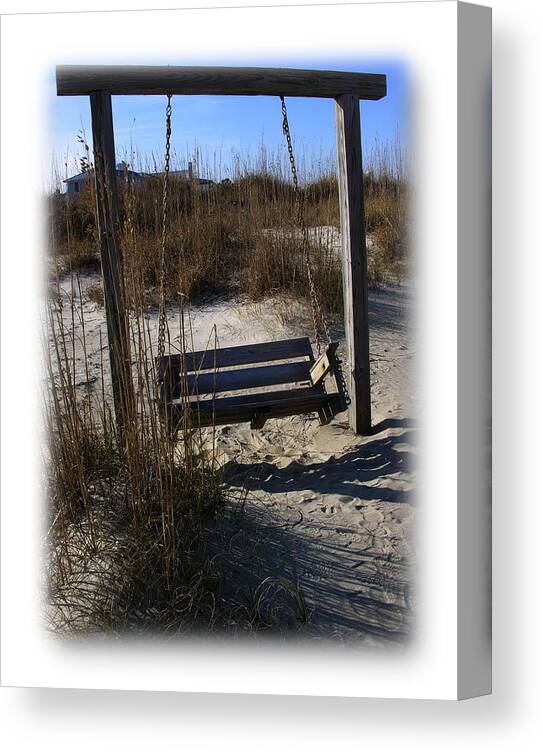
[(328, 516)]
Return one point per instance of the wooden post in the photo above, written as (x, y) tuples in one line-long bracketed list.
[(354, 254), (111, 257)]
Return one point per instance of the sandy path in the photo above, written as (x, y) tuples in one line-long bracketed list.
[(332, 512), (328, 511)]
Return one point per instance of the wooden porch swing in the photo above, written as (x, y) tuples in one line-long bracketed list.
[(193, 385)]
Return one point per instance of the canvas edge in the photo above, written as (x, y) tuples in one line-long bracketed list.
[(474, 544)]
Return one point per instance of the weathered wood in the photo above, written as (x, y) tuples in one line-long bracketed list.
[(242, 355), (76, 80), (322, 366), (329, 410), (247, 378), (261, 399), (110, 255), (354, 254), (244, 408), (182, 392)]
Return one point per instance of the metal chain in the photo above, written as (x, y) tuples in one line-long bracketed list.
[(162, 308), (319, 320)]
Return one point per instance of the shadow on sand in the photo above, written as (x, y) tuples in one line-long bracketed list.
[(348, 589), (351, 474)]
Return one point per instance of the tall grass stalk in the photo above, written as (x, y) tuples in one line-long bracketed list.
[(126, 535), (238, 236)]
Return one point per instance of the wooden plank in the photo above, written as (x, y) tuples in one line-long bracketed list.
[(242, 408), (322, 366), (111, 257), (324, 406), (215, 382), (354, 255), (76, 80), (243, 355), (261, 399)]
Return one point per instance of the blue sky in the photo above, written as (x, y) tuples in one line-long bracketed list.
[(221, 126)]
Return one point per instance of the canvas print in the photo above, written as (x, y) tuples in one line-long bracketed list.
[(230, 400), (245, 344)]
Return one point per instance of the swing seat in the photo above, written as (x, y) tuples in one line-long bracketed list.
[(271, 379)]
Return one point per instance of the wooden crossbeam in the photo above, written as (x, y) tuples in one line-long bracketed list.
[(76, 80)]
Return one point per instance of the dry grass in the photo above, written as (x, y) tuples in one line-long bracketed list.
[(240, 236), (129, 517)]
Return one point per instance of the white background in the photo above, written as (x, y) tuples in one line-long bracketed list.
[(60, 719)]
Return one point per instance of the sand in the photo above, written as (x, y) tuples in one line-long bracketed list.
[(328, 517)]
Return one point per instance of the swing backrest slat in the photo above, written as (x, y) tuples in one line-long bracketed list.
[(246, 378), (215, 371), (242, 355)]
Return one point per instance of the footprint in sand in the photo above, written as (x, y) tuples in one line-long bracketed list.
[(345, 500), (373, 516)]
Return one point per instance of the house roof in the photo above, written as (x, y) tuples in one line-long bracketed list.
[(76, 177), (120, 171), (89, 173)]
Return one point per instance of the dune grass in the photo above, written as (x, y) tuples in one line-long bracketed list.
[(239, 236), (128, 517)]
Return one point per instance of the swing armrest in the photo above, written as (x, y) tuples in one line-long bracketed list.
[(322, 366)]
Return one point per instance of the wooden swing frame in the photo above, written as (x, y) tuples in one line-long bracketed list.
[(100, 83)]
